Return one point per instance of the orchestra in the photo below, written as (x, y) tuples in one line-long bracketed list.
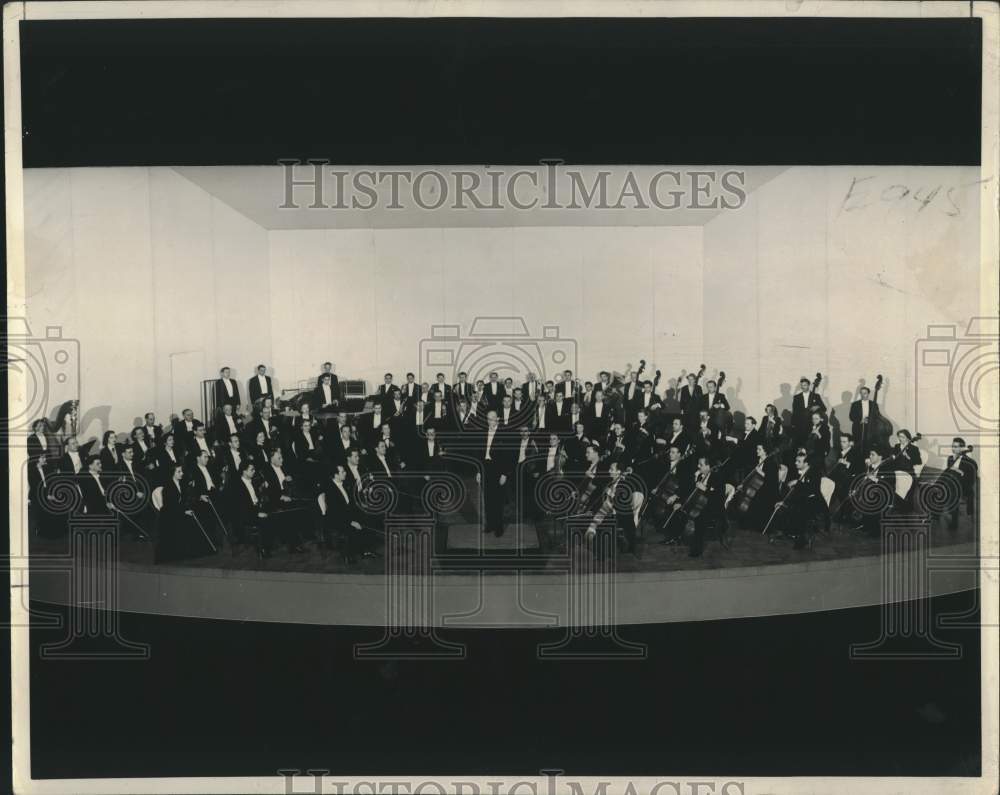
[(291, 472)]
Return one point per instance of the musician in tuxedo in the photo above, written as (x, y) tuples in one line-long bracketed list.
[(530, 389), (771, 430), (507, 416), (413, 430), (559, 415), (227, 391), (707, 439), (251, 519), (465, 417), (494, 392), (345, 520), (185, 426), (394, 407), (646, 401), (818, 443), (326, 395), (744, 452), (587, 395), (227, 425), (805, 403), (328, 373), (633, 390), (152, 432), (74, 460), (260, 386), (598, 416), (640, 443), (198, 444), (411, 391), (864, 416), (555, 459), (439, 387), (206, 496), (264, 424), (169, 457), (462, 390), (437, 415), (527, 470), (427, 456), (309, 455), (673, 487), (230, 461), (850, 464), (614, 514), (286, 518), (717, 406), (494, 474), (540, 418), (691, 400), (966, 471), (677, 436), (38, 441), (880, 470), (575, 448), (338, 448), (568, 387), (800, 504), (93, 489)]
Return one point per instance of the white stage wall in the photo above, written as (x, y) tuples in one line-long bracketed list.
[(801, 281), (162, 283)]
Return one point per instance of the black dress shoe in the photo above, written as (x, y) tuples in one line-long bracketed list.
[(298, 548)]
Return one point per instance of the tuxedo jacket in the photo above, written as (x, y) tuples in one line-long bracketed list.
[(94, 502), (153, 436), (526, 395), (254, 390), (494, 400), (561, 423), (222, 396), (334, 385), (499, 463), (319, 401), (341, 510), (462, 391), (423, 460), (410, 393), (598, 427), (718, 400), (444, 389), (856, 412), (221, 432), (801, 409), (690, 400)]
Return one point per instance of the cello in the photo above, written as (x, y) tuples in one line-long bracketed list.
[(752, 483)]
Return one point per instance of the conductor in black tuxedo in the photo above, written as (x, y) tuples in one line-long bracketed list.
[(260, 385), (227, 391), (494, 475)]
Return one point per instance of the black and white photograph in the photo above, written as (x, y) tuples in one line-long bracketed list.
[(491, 397)]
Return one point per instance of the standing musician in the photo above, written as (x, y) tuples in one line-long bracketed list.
[(494, 392), (864, 415), (540, 420), (227, 391), (555, 457), (530, 389), (439, 387), (465, 418), (805, 402), (647, 401), (717, 406), (328, 370), (260, 385), (152, 431), (463, 389), (412, 391), (559, 414), (143, 456), (966, 470), (690, 400), (597, 417), (386, 387), (493, 478), (437, 416), (326, 396), (527, 469)]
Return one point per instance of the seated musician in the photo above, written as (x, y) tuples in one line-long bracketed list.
[(199, 444), (817, 443), (393, 454), (345, 520), (111, 459), (675, 485), (880, 470), (184, 427), (589, 483), (437, 413), (677, 436), (370, 429), (770, 427), (615, 513), (206, 496), (306, 447), (576, 450), (132, 473), (286, 519), (93, 489), (850, 465), (863, 416), (415, 429), (339, 448), (745, 452), (712, 516), (541, 417), (905, 453), (152, 431), (263, 424), (169, 456), (962, 467), (616, 444), (648, 401), (757, 492), (227, 426), (800, 503), (427, 456), (465, 418), (250, 517), (230, 461), (707, 439), (690, 400), (355, 478), (260, 450), (144, 456), (555, 457), (180, 536)]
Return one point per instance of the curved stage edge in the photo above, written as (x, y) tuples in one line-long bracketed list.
[(524, 600)]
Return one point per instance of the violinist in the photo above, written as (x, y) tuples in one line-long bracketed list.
[(555, 457), (152, 431), (639, 444), (966, 471), (617, 446), (227, 425)]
